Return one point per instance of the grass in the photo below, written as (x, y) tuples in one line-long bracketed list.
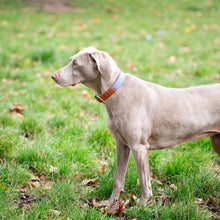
[(60, 137)]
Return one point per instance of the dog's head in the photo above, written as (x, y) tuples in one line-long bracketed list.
[(86, 66)]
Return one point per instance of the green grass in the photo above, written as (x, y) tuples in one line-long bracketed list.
[(61, 136)]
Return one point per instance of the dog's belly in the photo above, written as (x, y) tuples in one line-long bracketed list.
[(164, 142)]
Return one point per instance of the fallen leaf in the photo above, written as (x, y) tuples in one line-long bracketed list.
[(217, 77), (38, 75), (164, 198), (4, 80), (103, 166), (160, 44), (118, 207), (35, 184), (101, 170), (172, 186), (102, 162), (115, 17), (216, 41), (97, 204), (83, 205), (179, 72), (200, 202), (158, 182), (47, 185), (185, 49), (26, 9), (56, 212), (51, 17), (90, 182), (171, 59), (133, 197), (85, 94), (16, 108), (34, 178), (95, 20), (104, 209)]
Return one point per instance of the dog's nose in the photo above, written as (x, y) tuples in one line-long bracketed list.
[(54, 76)]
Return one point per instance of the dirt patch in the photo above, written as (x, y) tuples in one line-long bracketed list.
[(57, 6), (25, 199)]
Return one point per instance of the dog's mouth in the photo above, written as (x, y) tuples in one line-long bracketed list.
[(73, 84)]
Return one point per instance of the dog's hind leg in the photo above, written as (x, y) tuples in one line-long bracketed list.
[(215, 140)]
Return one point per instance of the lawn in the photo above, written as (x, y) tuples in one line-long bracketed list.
[(54, 139)]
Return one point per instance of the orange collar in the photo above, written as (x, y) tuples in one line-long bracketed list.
[(112, 90)]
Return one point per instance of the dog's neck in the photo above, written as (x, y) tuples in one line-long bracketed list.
[(101, 85)]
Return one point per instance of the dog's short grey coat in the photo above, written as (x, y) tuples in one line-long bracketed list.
[(144, 116)]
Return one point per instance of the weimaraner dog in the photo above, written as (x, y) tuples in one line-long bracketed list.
[(141, 115)]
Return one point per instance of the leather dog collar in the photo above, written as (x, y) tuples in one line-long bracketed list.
[(112, 90)]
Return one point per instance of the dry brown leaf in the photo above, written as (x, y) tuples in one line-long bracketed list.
[(38, 75), (83, 205), (157, 181), (179, 72), (102, 162), (16, 108), (47, 185), (133, 197), (97, 204), (85, 94), (4, 80), (171, 59), (35, 184), (115, 17), (160, 44), (90, 182), (217, 77), (118, 207), (104, 209), (200, 202), (34, 178), (172, 186), (101, 169), (185, 49), (95, 20), (216, 41), (164, 198)]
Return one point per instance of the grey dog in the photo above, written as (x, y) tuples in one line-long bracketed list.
[(141, 115)]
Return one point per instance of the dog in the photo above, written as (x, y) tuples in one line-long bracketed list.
[(142, 115)]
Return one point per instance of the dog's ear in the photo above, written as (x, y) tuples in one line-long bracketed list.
[(106, 65)]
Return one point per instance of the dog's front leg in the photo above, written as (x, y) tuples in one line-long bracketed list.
[(140, 154), (122, 152)]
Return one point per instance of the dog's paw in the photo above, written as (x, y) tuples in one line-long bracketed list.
[(143, 200)]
